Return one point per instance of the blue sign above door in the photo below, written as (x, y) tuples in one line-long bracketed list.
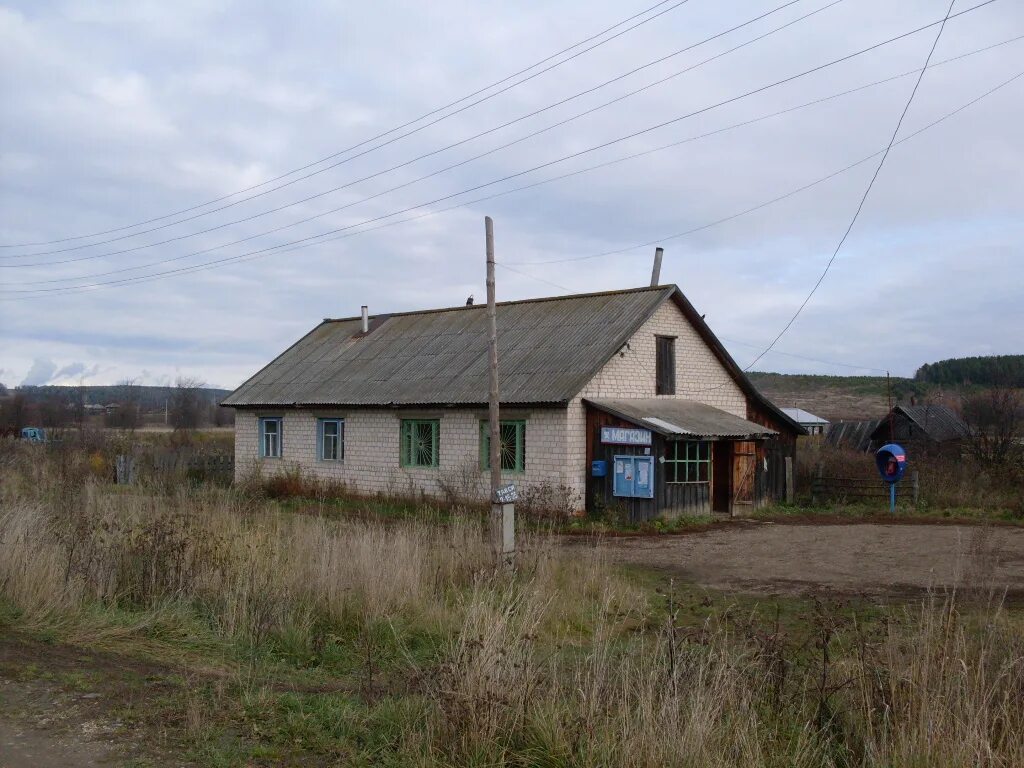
[(623, 436)]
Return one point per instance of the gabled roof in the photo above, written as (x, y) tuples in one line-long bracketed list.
[(548, 349), (939, 422), (803, 417), (682, 419)]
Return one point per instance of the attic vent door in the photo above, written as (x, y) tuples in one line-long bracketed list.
[(665, 347)]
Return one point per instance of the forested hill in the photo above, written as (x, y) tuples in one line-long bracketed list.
[(991, 371), (147, 397)]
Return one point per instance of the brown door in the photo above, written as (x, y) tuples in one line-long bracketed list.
[(744, 456), (721, 477)]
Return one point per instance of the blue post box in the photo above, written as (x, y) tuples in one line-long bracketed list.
[(599, 468)]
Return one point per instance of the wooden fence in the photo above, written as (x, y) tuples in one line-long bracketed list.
[(843, 489), (219, 467)]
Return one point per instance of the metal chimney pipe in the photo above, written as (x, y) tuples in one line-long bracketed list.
[(366, 319), (656, 272)]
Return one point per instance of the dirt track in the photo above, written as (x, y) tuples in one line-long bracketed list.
[(859, 559)]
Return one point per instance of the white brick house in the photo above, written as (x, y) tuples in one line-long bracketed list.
[(400, 408)]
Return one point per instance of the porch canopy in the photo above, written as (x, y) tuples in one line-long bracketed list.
[(676, 419)]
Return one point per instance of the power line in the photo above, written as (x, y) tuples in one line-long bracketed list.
[(779, 198), (864, 197), (722, 338), (306, 242), (547, 181), (491, 183), (392, 130), (425, 155), (805, 357)]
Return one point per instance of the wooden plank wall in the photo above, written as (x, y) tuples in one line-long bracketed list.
[(670, 499)]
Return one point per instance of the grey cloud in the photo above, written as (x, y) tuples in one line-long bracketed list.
[(115, 114), (41, 372)]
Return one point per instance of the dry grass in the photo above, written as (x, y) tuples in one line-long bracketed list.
[(946, 482), (565, 662)]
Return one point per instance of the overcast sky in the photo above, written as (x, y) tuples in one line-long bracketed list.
[(114, 113)]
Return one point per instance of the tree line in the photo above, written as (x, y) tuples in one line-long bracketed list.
[(989, 371), (189, 404)]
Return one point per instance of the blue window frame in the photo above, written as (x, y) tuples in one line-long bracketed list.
[(271, 434), (330, 439)]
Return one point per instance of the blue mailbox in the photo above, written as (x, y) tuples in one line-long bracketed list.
[(633, 477), (599, 468), (891, 461)]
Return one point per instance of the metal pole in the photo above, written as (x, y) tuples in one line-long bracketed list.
[(888, 389), (892, 498), (492, 411)]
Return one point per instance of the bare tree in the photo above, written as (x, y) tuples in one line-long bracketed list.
[(995, 418), (187, 403), (128, 414)]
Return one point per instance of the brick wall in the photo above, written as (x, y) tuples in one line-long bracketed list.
[(699, 376), (555, 438), (372, 463)]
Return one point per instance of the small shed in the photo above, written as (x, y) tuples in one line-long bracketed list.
[(815, 425), (931, 427), (687, 457)]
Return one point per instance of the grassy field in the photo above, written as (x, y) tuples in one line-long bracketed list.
[(219, 625)]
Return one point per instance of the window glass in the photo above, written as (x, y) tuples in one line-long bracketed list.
[(270, 437), (420, 440), (688, 461), (332, 439), (511, 445)]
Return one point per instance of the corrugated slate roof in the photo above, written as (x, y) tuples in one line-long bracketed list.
[(852, 434), (548, 349), (937, 421), (680, 419)]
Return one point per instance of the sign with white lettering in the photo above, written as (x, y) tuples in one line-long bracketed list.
[(622, 436), (507, 494)]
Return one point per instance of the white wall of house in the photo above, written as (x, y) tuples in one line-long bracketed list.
[(632, 374), (555, 437), (372, 461)]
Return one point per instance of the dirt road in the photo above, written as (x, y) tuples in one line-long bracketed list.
[(859, 559)]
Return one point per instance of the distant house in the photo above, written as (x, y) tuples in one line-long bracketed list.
[(927, 427), (852, 434), (624, 398), (815, 425)]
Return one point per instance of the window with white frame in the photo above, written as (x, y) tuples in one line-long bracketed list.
[(331, 439), (270, 437)]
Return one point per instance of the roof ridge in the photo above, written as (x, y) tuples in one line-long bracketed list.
[(668, 287)]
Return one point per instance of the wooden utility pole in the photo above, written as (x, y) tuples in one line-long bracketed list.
[(502, 515)]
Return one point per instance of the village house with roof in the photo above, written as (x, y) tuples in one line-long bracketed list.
[(621, 398)]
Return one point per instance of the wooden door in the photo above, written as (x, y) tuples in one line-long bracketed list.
[(744, 461)]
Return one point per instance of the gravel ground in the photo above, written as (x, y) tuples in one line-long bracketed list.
[(855, 559)]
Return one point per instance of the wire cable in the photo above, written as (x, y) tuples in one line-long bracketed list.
[(577, 172), (392, 130), (432, 153), (864, 197), (297, 245), (521, 173)]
